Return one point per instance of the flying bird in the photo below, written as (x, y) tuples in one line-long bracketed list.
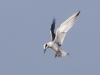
[(58, 38)]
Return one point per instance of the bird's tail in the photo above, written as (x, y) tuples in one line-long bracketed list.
[(62, 53)]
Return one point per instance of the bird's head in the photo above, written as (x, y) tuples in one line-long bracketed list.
[(45, 47)]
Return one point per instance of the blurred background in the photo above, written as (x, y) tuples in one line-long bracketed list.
[(25, 27)]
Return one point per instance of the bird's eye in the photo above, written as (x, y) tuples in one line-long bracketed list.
[(45, 45)]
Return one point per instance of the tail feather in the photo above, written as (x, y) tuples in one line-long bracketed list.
[(61, 53)]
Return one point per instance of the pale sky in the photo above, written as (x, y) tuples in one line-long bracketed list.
[(24, 28)]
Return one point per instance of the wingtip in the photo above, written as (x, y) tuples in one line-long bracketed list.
[(78, 12), (54, 19)]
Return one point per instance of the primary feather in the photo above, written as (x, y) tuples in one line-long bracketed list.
[(64, 27), (52, 30)]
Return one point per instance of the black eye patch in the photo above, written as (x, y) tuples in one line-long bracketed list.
[(46, 45)]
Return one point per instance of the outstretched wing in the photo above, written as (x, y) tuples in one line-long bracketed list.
[(64, 27), (52, 30)]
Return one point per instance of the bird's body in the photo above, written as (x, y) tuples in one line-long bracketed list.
[(53, 45), (57, 49), (57, 40)]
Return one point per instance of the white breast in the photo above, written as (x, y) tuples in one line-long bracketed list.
[(55, 47)]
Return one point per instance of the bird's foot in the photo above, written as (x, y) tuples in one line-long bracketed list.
[(56, 54)]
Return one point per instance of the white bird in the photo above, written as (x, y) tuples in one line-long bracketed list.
[(57, 40)]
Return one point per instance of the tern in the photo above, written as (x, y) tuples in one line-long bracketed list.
[(57, 40)]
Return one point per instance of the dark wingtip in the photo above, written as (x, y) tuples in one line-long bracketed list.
[(54, 19), (78, 13)]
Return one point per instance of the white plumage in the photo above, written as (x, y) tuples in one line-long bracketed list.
[(57, 40)]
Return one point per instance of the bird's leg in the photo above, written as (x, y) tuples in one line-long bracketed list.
[(56, 54)]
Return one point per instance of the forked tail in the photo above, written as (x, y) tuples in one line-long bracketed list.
[(62, 53)]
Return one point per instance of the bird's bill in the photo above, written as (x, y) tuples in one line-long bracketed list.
[(44, 50)]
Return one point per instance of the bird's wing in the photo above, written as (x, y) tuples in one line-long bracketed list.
[(64, 27), (52, 30)]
